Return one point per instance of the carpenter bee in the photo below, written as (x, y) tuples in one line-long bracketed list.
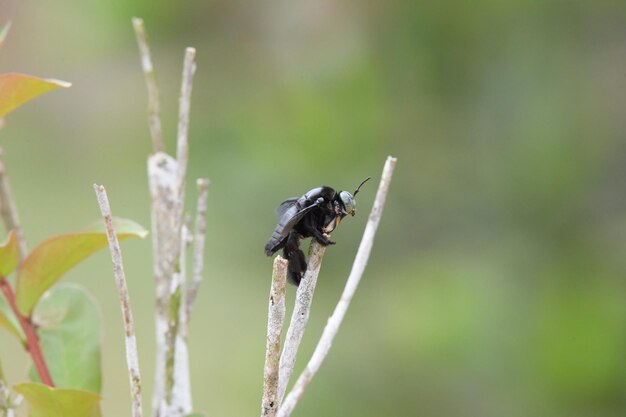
[(315, 214)]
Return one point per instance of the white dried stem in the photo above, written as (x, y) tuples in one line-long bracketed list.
[(162, 171), (172, 391), (8, 210), (358, 267), (132, 359), (299, 318), (166, 175), (178, 384), (275, 320), (198, 243), (182, 142), (154, 107)]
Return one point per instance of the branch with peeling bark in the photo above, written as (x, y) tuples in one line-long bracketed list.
[(170, 237), (275, 319), (154, 107), (299, 317), (303, 304), (132, 359), (198, 243)]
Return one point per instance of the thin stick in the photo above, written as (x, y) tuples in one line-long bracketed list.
[(177, 374), (132, 359), (198, 243), (299, 318), (182, 142), (8, 210), (177, 386), (275, 319), (358, 267), (154, 107)]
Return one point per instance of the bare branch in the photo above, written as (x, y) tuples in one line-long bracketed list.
[(8, 210), (178, 394), (154, 107), (182, 142), (178, 386), (132, 359), (275, 319), (161, 177), (167, 176), (198, 244), (299, 318), (358, 267)]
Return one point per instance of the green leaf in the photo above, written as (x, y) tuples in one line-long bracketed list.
[(196, 415), (8, 320), (9, 254), (44, 401), (17, 89), (45, 264), (68, 326)]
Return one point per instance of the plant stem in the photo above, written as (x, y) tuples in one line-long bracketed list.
[(29, 331), (154, 107), (299, 318), (198, 244), (132, 358), (275, 320), (358, 267)]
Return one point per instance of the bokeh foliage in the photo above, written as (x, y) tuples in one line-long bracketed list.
[(496, 283)]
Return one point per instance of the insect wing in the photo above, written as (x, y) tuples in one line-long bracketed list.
[(284, 206), (289, 224)]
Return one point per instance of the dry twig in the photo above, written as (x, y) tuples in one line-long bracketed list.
[(198, 243), (132, 359), (182, 142), (332, 327), (167, 176), (275, 319), (154, 107), (299, 318)]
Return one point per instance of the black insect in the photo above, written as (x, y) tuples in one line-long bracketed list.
[(317, 212)]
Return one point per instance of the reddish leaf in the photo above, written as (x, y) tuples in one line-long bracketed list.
[(16, 89), (45, 264)]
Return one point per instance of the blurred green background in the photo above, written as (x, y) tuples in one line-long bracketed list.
[(496, 285)]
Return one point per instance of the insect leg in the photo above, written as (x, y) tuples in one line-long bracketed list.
[(296, 258), (323, 240)]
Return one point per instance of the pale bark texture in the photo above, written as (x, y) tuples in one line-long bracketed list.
[(167, 179), (299, 318), (358, 267), (132, 358), (275, 320)]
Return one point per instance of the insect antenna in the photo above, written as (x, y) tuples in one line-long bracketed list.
[(360, 185)]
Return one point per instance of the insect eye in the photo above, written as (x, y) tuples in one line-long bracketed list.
[(348, 202)]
